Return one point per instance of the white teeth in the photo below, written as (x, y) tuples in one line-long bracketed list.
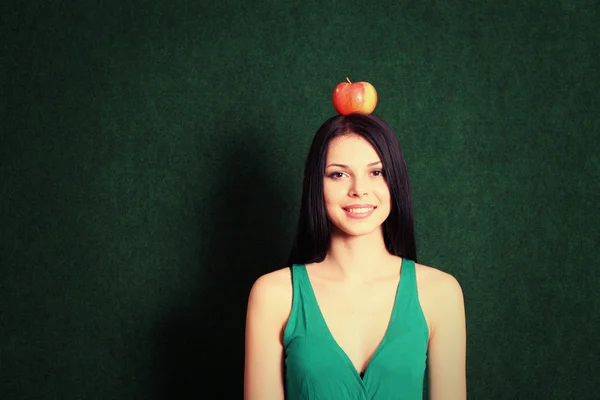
[(359, 210)]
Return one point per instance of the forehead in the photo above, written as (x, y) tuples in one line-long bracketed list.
[(351, 149)]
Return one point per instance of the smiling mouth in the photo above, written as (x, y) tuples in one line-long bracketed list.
[(359, 210)]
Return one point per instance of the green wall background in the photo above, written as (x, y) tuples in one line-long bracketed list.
[(151, 163)]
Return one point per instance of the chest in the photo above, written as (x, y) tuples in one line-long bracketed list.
[(357, 317)]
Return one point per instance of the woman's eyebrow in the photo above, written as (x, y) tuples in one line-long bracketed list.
[(345, 166)]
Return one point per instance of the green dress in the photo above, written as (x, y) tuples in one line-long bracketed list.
[(316, 368)]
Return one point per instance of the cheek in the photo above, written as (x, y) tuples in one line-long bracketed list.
[(386, 199), (383, 192), (332, 192)]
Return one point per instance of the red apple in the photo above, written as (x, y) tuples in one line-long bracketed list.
[(358, 97)]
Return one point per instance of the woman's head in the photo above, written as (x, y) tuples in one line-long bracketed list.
[(369, 169), (355, 193)]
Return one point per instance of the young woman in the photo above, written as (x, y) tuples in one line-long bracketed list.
[(354, 316)]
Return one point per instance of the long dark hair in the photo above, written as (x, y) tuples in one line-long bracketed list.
[(314, 228)]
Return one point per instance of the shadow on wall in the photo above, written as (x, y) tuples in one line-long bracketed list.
[(200, 352)]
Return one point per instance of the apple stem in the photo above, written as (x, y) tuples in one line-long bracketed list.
[(348, 80)]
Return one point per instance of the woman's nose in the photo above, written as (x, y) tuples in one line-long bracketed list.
[(358, 188)]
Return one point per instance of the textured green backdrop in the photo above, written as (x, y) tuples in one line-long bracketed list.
[(150, 169)]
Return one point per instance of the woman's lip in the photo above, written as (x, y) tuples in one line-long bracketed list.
[(359, 206), (356, 215)]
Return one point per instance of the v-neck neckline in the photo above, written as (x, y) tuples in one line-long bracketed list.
[(381, 344)]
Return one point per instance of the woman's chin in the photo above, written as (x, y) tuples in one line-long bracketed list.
[(348, 232)]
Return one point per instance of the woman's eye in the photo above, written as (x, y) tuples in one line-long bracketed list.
[(336, 175), (378, 172)]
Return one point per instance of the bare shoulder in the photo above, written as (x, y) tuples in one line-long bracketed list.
[(432, 281), (273, 284), (269, 305), (440, 295), (442, 303), (271, 294)]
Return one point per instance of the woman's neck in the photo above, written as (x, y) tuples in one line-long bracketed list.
[(356, 256)]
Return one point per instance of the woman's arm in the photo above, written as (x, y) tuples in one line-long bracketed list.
[(447, 343), (265, 319)]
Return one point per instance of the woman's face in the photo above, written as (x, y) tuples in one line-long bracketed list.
[(357, 197)]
